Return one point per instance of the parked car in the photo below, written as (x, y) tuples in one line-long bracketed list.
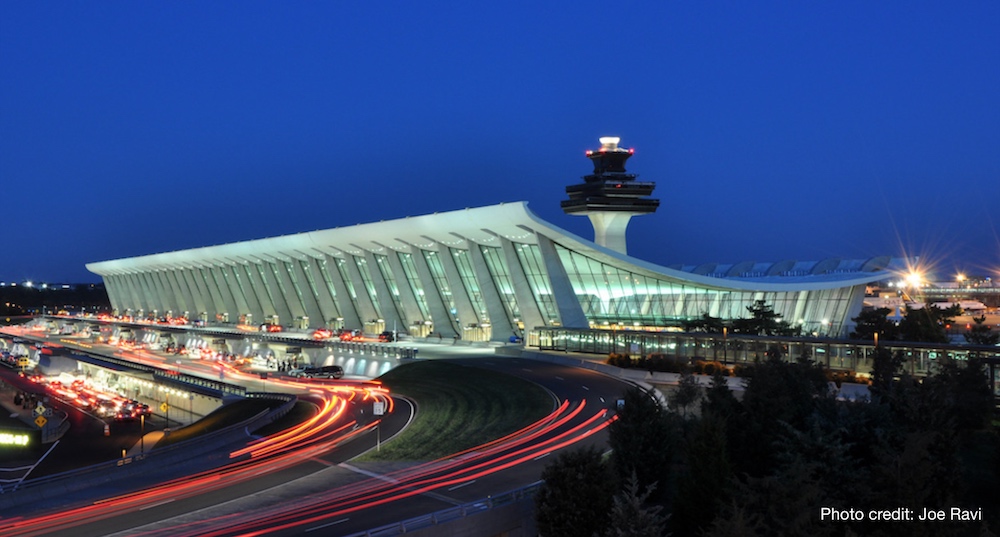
[(322, 333), (324, 372), (387, 336), (350, 335), (329, 372)]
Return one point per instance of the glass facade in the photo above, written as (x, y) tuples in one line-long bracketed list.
[(538, 280), (468, 277), (501, 279), (510, 276), (612, 295), (329, 285), (366, 278), (410, 272), (441, 283), (348, 281)]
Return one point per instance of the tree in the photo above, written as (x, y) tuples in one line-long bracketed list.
[(980, 333), (719, 399), (763, 321), (961, 393), (576, 497), (777, 394), (874, 321), (702, 488), (927, 324), (642, 441), (632, 517), (706, 323), (886, 366), (687, 393)]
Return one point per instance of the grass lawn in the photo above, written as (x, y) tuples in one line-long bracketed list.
[(458, 407)]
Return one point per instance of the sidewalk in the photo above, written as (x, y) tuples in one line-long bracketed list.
[(145, 444)]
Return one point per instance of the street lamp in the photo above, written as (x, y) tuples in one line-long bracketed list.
[(725, 344)]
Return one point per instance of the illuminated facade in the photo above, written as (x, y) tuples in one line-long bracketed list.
[(476, 274)]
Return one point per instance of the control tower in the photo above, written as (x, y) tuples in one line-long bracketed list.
[(610, 196)]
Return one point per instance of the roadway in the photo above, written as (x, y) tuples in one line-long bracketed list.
[(313, 487)]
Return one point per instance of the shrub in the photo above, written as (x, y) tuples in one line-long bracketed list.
[(840, 377), (619, 360), (710, 367)]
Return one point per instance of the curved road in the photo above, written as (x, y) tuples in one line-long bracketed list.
[(311, 488)]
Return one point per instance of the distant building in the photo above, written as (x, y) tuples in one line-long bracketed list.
[(485, 273)]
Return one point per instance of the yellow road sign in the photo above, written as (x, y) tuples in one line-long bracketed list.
[(40, 421), (164, 406)]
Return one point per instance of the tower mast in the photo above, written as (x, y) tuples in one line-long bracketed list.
[(610, 196)]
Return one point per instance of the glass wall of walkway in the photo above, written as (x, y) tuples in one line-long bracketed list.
[(729, 349)]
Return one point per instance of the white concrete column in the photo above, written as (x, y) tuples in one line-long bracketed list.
[(570, 312)]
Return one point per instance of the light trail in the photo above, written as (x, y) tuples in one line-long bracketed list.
[(330, 427), (408, 483), (270, 454)]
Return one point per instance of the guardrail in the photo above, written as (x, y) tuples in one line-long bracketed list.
[(453, 514), (41, 489)]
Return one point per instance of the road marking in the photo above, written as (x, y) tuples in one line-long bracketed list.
[(328, 525), (560, 378), (540, 457), (602, 400), (367, 473), (164, 502), (585, 388), (467, 483)]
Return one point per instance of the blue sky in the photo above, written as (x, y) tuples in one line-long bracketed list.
[(774, 130)]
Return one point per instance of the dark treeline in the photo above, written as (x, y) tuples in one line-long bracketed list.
[(24, 300), (769, 462)]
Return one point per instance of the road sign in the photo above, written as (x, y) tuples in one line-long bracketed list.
[(40, 410), (40, 421), (164, 406), (379, 408)]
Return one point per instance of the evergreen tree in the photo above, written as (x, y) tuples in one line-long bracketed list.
[(719, 399), (886, 366), (874, 321), (927, 324), (632, 517), (642, 441), (701, 491), (705, 323), (687, 393), (776, 393), (980, 333), (575, 498), (961, 393), (763, 321)]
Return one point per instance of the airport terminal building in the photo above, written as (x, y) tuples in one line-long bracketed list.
[(483, 274)]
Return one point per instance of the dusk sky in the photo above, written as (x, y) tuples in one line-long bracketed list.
[(774, 130)]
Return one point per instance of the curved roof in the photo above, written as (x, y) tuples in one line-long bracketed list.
[(485, 226)]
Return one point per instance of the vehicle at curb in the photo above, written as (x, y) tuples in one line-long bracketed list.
[(324, 372)]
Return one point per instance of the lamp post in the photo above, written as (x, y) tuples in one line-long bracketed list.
[(725, 345)]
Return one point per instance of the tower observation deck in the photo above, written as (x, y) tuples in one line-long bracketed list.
[(610, 196)]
